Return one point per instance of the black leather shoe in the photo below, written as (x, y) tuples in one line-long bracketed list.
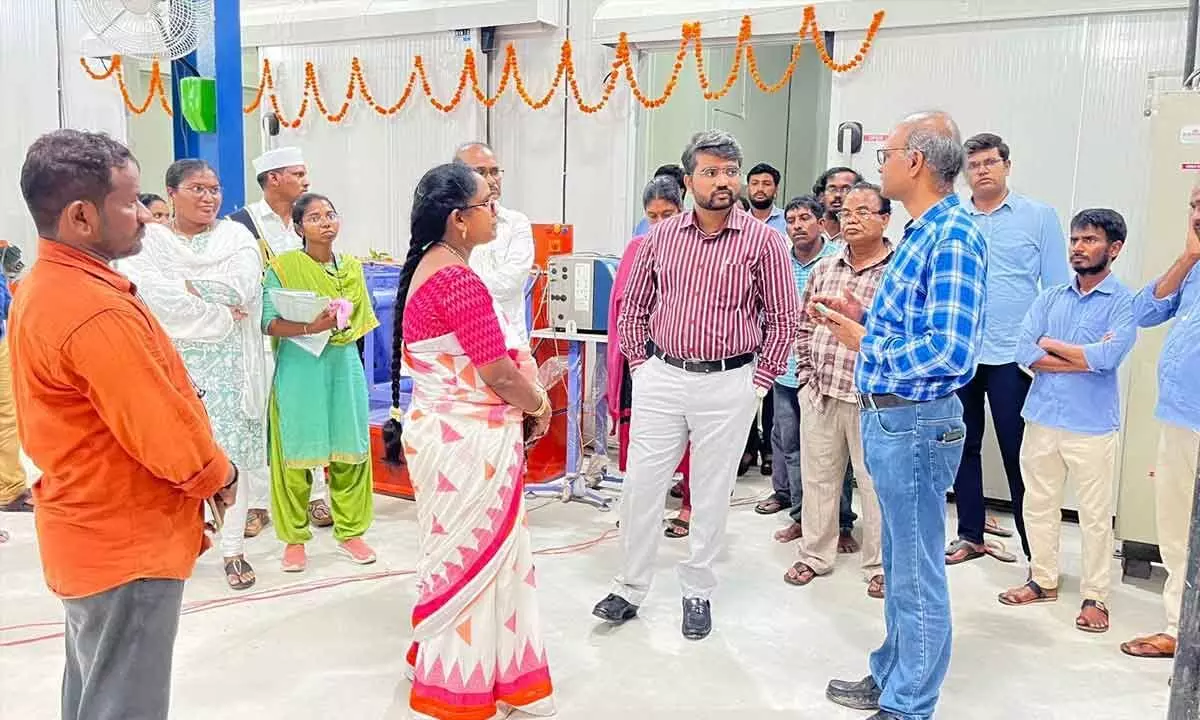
[(697, 618), (615, 610), (884, 715), (767, 468), (861, 695)]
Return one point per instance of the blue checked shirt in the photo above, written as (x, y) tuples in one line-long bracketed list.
[(925, 326), (800, 272)]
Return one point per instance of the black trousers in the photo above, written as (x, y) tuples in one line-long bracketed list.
[(1005, 388), (760, 443)]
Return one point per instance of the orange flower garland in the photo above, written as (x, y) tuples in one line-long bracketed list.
[(622, 66)]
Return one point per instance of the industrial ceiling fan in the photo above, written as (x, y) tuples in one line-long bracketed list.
[(166, 29)]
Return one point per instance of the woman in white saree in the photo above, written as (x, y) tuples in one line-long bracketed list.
[(202, 278)]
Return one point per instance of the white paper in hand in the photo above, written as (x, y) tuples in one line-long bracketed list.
[(302, 306)]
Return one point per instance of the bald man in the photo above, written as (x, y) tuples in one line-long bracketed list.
[(504, 263), (919, 344)]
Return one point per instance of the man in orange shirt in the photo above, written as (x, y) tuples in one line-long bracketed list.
[(109, 414)]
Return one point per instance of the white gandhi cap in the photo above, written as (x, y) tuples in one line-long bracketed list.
[(283, 157)]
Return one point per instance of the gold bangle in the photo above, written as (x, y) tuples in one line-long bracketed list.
[(545, 407)]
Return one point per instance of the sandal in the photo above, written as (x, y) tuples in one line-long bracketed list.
[(677, 528), (847, 545), (256, 521), (991, 527), (996, 549), (799, 575), (238, 573), (319, 514), (875, 588), (1158, 645), (770, 506), (1082, 623), (23, 502), (961, 551), (791, 533), (1016, 596)]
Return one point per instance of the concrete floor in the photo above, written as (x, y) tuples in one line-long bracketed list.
[(338, 651)]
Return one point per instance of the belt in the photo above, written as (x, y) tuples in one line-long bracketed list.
[(884, 402), (702, 366)]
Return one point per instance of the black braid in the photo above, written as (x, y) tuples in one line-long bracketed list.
[(441, 191)]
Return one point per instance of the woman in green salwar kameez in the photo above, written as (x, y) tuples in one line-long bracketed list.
[(318, 410)]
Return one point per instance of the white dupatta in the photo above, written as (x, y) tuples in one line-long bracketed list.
[(231, 260)]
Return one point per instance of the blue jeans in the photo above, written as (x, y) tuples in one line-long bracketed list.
[(785, 473), (913, 454)]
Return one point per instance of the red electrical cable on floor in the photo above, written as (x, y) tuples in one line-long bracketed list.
[(290, 591)]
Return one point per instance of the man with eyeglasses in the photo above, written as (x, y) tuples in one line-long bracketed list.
[(504, 263), (283, 177), (831, 188), (1027, 253), (707, 325), (920, 342), (830, 433)]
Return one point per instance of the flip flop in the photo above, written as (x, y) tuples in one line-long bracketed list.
[(877, 587), (1160, 645), (1081, 624), (1040, 595), (991, 527), (801, 571), (959, 545), (996, 549), (770, 506), (677, 528)]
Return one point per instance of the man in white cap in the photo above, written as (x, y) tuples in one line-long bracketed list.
[(283, 177), (504, 263)]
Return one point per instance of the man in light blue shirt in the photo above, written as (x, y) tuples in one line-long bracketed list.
[(920, 342), (1026, 253), (1175, 295), (1074, 339)]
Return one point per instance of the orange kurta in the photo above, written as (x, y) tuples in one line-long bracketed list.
[(108, 412)]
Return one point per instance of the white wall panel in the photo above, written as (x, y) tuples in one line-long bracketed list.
[(29, 76), (368, 164), (87, 103)]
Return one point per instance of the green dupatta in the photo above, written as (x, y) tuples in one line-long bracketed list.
[(296, 270)]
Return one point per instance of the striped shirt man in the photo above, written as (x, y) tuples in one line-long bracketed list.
[(924, 328), (712, 297)]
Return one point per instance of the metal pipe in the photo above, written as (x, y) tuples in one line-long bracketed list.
[(1185, 683), (1189, 53)]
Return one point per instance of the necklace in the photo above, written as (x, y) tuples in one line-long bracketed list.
[(452, 249)]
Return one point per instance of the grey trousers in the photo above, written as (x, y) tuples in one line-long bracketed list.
[(119, 648)]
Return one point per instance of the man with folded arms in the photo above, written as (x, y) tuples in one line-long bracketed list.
[(109, 414)]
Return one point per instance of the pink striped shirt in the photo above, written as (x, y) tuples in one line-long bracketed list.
[(712, 297)]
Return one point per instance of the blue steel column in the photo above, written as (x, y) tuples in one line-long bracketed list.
[(221, 58)]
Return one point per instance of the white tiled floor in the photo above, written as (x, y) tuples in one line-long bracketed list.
[(338, 652)]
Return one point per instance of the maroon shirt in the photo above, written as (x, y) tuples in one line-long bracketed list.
[(712, 297)]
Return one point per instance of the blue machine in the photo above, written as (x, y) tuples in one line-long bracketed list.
[(580, 287)]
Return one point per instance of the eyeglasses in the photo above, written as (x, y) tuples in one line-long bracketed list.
[(838, 189), (711, 173), (881, 155), (315, 218), (984, 164), (489, 172), (489, 204), (859, 213), (202, 190)]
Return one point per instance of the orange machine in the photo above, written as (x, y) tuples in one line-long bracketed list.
[(548, 458)]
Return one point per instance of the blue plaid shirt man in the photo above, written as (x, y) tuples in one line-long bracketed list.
[(924, 328)]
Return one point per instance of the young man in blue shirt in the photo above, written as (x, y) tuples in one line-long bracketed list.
[(1074, 338), (1176, 294), (920, 343), (1026, 254)]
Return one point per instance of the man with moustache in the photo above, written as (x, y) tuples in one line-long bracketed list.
[(831, 188), (283, 176), (762, 185), (504, 263), (1026, 253), (920, 343), (707, 325), (830, 432), (1176, 294), (110, 415), (1074, 338)]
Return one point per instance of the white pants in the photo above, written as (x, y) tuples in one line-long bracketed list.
[(1051, 457), (1174, 480), (670, 407), (233, 531)]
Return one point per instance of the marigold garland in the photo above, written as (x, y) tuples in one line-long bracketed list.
[(622, 66)]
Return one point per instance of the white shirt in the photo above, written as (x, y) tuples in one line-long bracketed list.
[(504, 265), (279, 237)]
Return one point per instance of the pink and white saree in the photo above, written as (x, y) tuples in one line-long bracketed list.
[(477, 649)]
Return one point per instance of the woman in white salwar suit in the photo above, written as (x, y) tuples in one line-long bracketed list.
[(202, 278)]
